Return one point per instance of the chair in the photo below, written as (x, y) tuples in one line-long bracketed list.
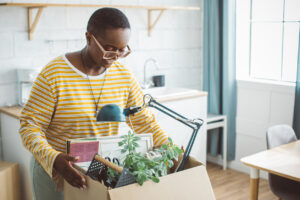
[(219, 121), (283, 188)]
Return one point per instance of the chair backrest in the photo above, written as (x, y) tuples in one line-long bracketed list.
[(279, 135)]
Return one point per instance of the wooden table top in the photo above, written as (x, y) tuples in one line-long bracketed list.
[(283, 160)]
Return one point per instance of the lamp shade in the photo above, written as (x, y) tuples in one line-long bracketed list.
[(111, 113)]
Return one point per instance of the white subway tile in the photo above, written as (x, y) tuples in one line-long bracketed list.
[(150, 2), (75, 45), (65, 34), (8, 94), (58, 47), (77, 17), (6, 47), (156, 41), (137, 18), (102, 2), (73, 1), (134, 61), (41, 61), (124, 2), (52, 18), (7, 75), (25, 47), (13, 18)]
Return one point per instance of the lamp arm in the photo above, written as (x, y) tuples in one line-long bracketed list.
[(195, 124)]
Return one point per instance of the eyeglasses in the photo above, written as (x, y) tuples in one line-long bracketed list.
[(112, 54)]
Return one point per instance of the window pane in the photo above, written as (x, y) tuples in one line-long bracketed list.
[(292, 10), (271, 10), (242, 38), (290, 51), (266, 50)]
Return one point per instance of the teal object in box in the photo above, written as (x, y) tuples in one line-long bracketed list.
[(111, 113)]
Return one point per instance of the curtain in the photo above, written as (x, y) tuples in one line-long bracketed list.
[(219, 74), (296, 121)]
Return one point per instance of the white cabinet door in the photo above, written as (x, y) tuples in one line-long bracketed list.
[(14, 151)]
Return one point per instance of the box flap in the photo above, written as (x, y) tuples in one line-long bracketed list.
[(94, 191), (192, 162), (191, 184)]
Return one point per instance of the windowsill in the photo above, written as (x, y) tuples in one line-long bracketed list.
[(267, 85), (268, 82)]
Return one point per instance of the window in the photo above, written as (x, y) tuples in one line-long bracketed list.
[(267, 39)]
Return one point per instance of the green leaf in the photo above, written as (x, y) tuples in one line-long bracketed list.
[(170, 163), (123, 150), (136, 138), (155, 179)]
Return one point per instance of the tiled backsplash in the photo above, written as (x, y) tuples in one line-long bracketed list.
[(176, 41)]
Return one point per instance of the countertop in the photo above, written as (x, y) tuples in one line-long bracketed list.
[(15, 111)]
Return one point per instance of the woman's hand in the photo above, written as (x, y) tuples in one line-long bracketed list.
[(63, 165)]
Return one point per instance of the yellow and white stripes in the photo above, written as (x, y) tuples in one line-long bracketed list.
[(61, 106)]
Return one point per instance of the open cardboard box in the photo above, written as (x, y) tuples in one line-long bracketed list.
[(192, 183), (9, 181)]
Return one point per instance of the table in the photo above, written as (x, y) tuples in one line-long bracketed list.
[(283, 161)]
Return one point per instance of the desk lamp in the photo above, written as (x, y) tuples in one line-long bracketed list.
[(113, 113)]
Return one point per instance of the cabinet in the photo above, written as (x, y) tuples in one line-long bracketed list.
[(14, 151)]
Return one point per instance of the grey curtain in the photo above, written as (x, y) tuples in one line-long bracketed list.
[(296, 122), (219, 74)]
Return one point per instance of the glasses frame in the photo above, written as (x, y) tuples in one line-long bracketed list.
[(116, 53)]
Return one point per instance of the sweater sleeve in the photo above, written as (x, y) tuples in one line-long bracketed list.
[(144, 120), (35, 119)]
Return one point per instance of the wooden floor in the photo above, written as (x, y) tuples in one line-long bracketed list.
[(234, 185)]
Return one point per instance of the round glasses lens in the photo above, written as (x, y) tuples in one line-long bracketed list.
[(110, 55)]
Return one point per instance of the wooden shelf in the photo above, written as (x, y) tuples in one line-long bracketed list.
[(151, 24), (101, 5)]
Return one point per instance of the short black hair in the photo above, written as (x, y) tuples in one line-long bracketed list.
[(107, 18)]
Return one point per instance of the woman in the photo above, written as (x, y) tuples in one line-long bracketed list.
[(68, 93)]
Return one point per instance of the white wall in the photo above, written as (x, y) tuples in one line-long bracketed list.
[(259, 106), (176, 41)]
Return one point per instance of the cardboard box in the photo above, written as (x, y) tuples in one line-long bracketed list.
[(9, 181), (190, 184)]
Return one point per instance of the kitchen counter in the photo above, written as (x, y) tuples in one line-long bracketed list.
[(174, 97), (13, 111)]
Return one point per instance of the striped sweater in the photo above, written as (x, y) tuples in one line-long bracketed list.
[(61, 106)]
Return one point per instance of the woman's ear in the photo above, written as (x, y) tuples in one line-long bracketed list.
[(88, 38)]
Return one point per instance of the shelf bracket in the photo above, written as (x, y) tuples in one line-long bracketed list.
[(150, 24), (33, 22)]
